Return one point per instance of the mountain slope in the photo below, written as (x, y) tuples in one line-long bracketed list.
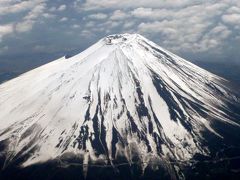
[(124, 99)]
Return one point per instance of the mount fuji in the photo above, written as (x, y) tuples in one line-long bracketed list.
[(123, 108)]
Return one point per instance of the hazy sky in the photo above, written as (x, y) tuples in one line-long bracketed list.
[(196, 30)]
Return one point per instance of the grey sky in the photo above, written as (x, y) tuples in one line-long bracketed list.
[(196, 30)]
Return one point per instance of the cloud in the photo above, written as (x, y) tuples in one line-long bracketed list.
[(3, 49), (118, 15), (149, 13), (128, 24), (48, 15), (214, 38), (30, 19), (116, 4), (24, 26), (5, 30), (63, 19), (233, 19), (35, 12), (75, 26), (98, 16), (194, 38), (90, 24), (62, 7), (233, 9), (194, 28), (15, 6), (178, 25), (182, 26)]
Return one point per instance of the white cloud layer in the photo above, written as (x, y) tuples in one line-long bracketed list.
[(179, 25), (30, 12), (190, 26), (116, 4), (16, 6)]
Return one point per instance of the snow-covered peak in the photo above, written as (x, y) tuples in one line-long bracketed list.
[(122, 98), (121, 38)]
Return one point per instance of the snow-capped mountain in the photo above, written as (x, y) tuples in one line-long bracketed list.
[(123, 100)]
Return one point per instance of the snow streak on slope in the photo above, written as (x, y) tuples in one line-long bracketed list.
[(124, 97)]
